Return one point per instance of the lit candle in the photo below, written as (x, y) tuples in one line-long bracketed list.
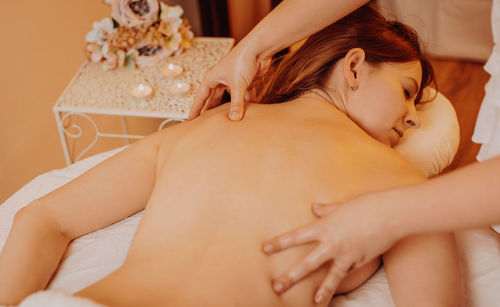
[(141, 91), (171, 70), (179, 88)]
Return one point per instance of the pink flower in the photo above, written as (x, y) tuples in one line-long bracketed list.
[(135, 13), (150, 54)]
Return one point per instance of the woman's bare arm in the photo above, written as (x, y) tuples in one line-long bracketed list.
[(30, 255), (109, 192)]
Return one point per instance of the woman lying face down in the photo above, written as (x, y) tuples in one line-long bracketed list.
[(371, 69), (212, 190), (379, 99)]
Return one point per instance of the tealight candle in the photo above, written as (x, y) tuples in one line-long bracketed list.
[(141, 91), (171, 70), (179, 88)]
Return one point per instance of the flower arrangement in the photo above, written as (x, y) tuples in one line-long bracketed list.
[(140, 33)]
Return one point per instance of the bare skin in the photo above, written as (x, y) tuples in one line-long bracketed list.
[(214, 189), (290, 22)]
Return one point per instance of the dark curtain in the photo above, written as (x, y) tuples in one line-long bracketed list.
[(274, 3), (214, 17)]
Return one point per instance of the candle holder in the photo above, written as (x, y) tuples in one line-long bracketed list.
[(141, 91), (179, 87), (172, 70)]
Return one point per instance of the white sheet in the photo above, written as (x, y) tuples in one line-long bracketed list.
[(91, 257), (50, 298)]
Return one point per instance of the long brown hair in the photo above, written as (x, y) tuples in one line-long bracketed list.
[(383, 41)]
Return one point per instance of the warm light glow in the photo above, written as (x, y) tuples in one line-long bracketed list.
[(141, 91), (172, 70), (179, 87)]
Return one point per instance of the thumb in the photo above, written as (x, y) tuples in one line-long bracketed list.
[(237, 107), (321, 210)]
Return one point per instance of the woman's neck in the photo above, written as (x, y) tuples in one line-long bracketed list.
[(328, 97), (312, 104)]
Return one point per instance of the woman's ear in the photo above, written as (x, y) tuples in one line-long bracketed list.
[(353, 64)]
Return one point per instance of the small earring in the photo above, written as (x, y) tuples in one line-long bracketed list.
[(354, 87)]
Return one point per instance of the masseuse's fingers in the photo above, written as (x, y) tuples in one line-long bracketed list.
[(338, 270), (215, 97), (303, 235), (310, 263), (321, 210), (237, 107), (202, 94)]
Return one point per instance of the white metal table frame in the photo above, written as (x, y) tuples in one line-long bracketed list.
[(77, 100), (62, 113)]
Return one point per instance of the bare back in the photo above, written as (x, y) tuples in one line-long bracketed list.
[(223, 187)]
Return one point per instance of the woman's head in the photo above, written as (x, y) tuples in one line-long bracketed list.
[(371, 66)]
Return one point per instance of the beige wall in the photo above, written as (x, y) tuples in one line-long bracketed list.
[(41, 48), (42, 45)]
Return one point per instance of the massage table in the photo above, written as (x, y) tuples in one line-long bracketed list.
[(430, 148)]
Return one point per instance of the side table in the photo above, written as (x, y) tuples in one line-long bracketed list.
[(94, 91)]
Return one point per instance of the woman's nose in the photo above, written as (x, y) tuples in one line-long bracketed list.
[(411, 123), (411, 118)]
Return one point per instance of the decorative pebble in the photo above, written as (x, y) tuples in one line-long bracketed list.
[(171, 70), (179, 88), (141, 91)]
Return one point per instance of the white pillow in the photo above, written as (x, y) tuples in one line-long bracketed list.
[(433, 145)]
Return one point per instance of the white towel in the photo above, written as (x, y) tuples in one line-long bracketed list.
[(487, 130), (56, 299)]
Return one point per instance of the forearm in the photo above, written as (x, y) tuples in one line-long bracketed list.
[(29, 257), (465, 198), (293, 20)]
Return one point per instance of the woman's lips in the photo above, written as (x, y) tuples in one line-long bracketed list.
[(398, 132), (396, 137)]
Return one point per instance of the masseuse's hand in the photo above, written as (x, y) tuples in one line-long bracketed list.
[(234, 72), (347, 237)]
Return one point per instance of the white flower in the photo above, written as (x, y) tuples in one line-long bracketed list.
[(173, 42), (168, 28), (106, 25), (100, 31), (110, 61), (93, 47), (121, 57), (91, 36), (105, 48), (96, 56), (170, 12)]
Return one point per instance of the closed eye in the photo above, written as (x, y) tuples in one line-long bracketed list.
[(407, 94)]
